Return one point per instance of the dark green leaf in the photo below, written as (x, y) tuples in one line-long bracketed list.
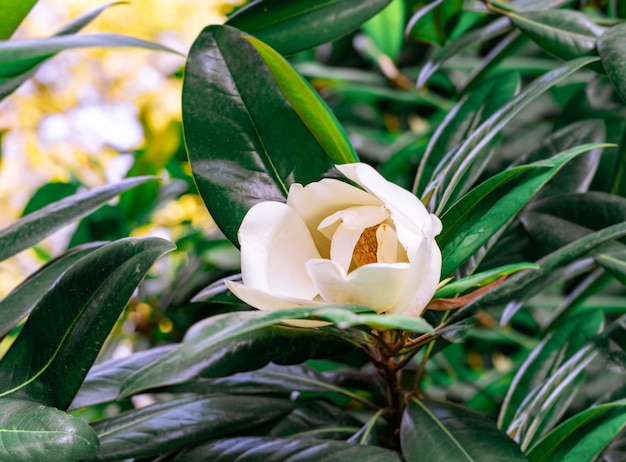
[(42, 223), (24, 297), (103, 382), (239, 155), (611, 48), (297, 25), (583, 436), (316, 419), (432, 22), (221, 345), (76, 315), (563, 33), (180, 423), (30, 432), (441, 432), (285, 450)]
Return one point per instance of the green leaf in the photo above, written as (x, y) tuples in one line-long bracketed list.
[(13, 13), (76, 315), (456, 288), (30, 432), (432, 22), (541, 363), (311, 109), (239, 155), (104, 380), (180, 423), (489, 207), (471, 111), (611, 48), (583, 436), (298, 25), (527, 283), (42, 223), (565, 34), (386, 28), (285, 450), (208, 345), (24, 297), (449, 184), (435, 432)]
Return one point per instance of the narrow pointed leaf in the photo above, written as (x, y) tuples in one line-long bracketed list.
[(309, 106), (441, 432), (30, 432), (285, 450), (386, 29), (181, 423), (583, 436), (238, 153), (13, 13), (76, 315), (297, 25), (563, 33), (431, 23), (40, 224), (24, 297)]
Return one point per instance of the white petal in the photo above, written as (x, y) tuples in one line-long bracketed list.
[(275, 245), (424, 277), (378, 286), (360, 217), (406, 209), (318, 200), (342, 246), (387, 250)]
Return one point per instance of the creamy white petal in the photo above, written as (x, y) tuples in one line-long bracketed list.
[(360, 217), (275, 245), (378, 285), (425, 262), (387, 250), (318, 200), (406, 209), (342, 245)]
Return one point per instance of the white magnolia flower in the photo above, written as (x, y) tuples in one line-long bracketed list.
[(335, 243)]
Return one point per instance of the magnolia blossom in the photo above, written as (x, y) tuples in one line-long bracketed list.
[(336, 243)]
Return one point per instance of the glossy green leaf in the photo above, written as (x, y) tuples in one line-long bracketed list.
[(297, 25), (309, 106), (40, 224), (239, 155), (460, 121), (316, 418), (439, 432), (24, 297), (181, 423), (104, 380), (30, 432), (611, 48), (450, 184), (456, 288), (432, 22), (285, 450), (527, 283), (541, 363), (565, 34), (13, 13), (77, 314), (386, 29), (583, 436), (489, 207), (208, 345)]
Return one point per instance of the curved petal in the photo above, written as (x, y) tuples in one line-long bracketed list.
[(377, 286), (318, 200), (275, 245), (264, 301), (406, 209), (425, 262)]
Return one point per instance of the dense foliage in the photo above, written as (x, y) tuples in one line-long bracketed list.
[(505, 118)]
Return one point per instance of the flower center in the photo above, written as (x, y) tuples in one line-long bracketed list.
[(366, 248)]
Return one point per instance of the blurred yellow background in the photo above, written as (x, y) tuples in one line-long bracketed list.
[(85, 108)]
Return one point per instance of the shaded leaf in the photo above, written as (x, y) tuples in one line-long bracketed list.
[(30, 432), (76, 315), (431, 23), (40, 224), (611, 48), (297, 25)]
